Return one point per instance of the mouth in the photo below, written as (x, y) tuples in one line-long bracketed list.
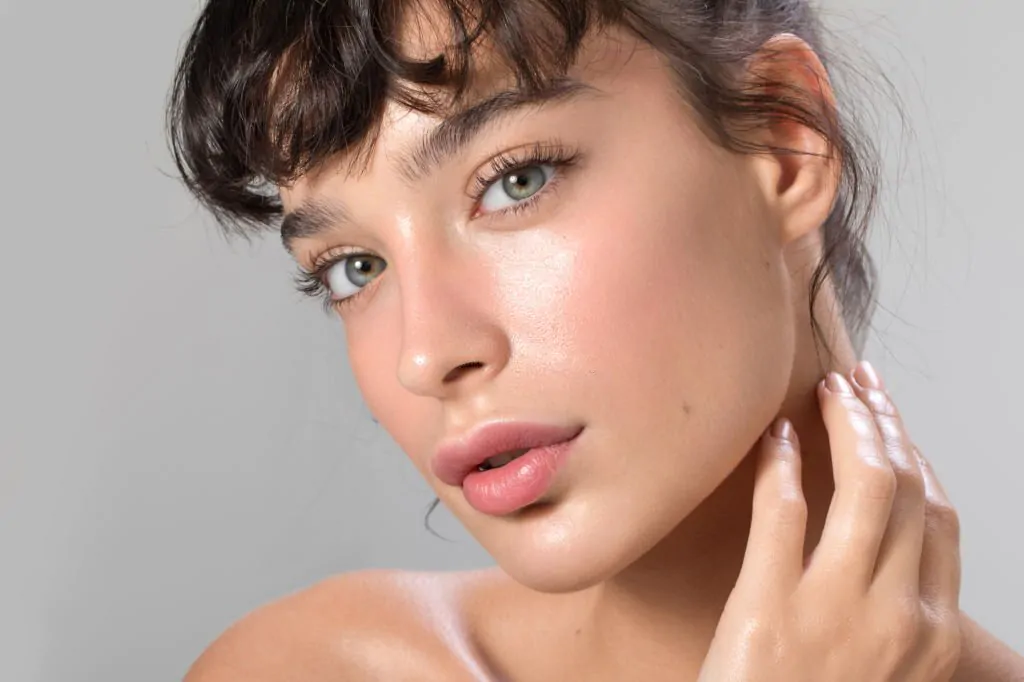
[(501, 460), (494, 445), (513, 480)]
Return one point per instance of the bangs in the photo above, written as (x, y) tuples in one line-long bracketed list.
[(268, 91), (308, 82)]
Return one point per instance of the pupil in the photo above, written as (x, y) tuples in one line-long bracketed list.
[(359, 268), (523, 183)]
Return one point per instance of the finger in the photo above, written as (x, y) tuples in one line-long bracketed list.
[(865, 485), (899, 556), (940, 553), (779, 519)]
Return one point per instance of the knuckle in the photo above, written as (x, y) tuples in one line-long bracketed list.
[(943, 518), (862, 421), (905, 624), (856, 406), (878, 481), (882, 405), (908, 478), (891, 431), (790, 510), (759, 623)]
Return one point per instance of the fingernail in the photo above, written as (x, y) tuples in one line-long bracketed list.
[(866, 376), (837, 384), (783, 429)]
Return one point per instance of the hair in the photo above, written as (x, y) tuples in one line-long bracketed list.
[(268, 90)]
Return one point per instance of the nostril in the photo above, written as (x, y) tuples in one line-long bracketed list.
[(462, 369)]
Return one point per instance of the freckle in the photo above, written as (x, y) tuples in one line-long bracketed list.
[(686, 408), (579, 630)]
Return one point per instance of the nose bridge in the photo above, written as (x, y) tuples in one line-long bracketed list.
[(450, 334)]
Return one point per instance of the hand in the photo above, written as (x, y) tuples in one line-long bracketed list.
[(878, 600)]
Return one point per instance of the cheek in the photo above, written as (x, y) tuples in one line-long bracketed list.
[(682, 326), (410, 420)]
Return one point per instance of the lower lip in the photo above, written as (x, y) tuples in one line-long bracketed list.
[(519, 483)]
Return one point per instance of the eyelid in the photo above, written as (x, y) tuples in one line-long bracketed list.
[(312, 281), (551, 151), (330, 256)]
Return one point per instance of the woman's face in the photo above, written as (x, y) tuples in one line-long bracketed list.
[(638, 292)]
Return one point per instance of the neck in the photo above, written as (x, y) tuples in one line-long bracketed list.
[(662, 611)]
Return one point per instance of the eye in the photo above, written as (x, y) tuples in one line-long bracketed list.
[(347, 276), (516, 186)]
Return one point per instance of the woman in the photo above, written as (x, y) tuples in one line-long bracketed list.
[(601, 271)]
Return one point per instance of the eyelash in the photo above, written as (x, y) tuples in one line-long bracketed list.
[(540, 154), (312, 282)]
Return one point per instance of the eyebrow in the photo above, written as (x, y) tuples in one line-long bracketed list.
[(444, 142)]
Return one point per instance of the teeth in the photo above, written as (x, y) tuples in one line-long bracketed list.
[(502, 459)]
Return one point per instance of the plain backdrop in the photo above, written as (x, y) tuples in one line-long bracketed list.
[(181, 437)]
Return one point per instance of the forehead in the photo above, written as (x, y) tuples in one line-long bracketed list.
[(492, 90)]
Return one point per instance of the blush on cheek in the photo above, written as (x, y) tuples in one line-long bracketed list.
[(373, 360), (534, 296)]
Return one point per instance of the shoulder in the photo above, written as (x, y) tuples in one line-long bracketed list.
[(366, 625)]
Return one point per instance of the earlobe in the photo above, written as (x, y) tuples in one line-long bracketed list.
[(800, 168)]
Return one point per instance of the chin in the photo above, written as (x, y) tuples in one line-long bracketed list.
[(554, 549)]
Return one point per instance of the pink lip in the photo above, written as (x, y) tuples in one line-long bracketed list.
[(457, 458)]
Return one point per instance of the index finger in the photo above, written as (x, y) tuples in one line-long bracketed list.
[(865, 486)]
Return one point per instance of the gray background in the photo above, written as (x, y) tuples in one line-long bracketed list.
[(181, 439)]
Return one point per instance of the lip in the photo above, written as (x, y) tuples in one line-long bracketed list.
[(456, 458)]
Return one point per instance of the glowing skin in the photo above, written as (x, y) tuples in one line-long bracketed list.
[(638, 296), (648, 294), (655, 292)]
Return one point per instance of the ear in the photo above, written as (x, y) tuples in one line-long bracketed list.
[(800, 172)]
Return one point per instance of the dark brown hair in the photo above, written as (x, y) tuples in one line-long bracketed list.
[(267, 90)]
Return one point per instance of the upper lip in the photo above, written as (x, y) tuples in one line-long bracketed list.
[(457, 457)]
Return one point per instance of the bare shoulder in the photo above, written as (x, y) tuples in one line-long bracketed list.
[(366, 625)]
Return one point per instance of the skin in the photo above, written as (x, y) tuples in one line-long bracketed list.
[(656, 292)]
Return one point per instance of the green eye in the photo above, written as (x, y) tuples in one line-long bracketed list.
[(353, 272), (516, 186), (524, 183)]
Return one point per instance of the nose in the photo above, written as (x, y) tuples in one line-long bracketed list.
[(452, 337)]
